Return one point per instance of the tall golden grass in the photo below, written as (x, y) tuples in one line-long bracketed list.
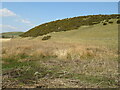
[(61, 50), (72, 57)]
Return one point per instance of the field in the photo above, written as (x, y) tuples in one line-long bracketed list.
[(86, 57)]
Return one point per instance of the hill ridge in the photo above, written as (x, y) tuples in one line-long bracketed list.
[(68, 24)]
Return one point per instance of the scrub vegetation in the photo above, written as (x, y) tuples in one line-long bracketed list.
[(68, 24)]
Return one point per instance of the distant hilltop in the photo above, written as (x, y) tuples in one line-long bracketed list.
[(10, 34), (70, 24)]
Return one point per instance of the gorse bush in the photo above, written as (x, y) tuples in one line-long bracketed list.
[(104, 23), (67, 24), (118, 21), (110, 22), (6, 36), (46, 37)]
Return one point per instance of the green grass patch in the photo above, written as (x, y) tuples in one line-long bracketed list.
[(100, 80)]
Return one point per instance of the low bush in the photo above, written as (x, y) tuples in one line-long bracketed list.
[(110, 22), (46, 37), (107, 20), (118, 21), (117, 17), (104, 23), (5, 36)]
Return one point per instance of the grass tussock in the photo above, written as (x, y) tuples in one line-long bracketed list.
[(59, 50)]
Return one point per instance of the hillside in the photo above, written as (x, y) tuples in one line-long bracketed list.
[(83, 57), (86, 57), (11, 34), (69, 24), (96, 35)]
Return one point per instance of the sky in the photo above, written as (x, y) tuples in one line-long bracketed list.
[(22, 16)]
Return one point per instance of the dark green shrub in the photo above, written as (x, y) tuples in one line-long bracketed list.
[(46, 37), (110, 22), (117, 17), (107, 20), (104, 23), (3, 36), (118, 21)]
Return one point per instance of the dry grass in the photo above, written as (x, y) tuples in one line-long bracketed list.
[(4, 40), (91, 66), (61, 50)]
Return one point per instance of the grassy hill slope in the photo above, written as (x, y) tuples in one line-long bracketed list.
[(89, 35), (69, 24)]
